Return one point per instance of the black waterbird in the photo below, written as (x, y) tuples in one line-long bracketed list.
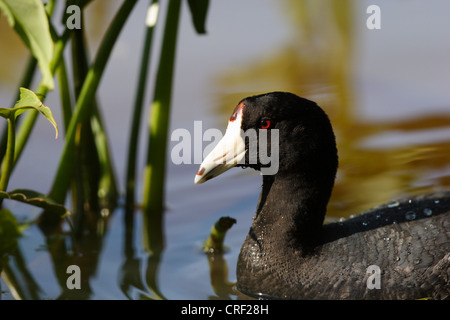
[(289, 252)]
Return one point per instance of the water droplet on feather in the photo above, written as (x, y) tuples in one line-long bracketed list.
[(410, 215), (393, 204)]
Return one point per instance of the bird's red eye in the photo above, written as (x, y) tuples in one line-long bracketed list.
[(265, 124)]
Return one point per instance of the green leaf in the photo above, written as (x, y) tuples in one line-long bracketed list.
[(37, 199), (199, 10), (30, 21), (29, 100), (5, 112)]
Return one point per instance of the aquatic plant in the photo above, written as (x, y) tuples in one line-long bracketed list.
[(85, 168)]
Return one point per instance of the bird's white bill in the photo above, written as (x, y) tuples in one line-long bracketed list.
[(227, 153)]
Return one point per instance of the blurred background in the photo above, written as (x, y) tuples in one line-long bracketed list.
[(386, 92)]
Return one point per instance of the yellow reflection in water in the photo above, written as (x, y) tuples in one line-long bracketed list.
[(318, 63)]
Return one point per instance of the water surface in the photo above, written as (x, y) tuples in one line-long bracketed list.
[(386, 92)]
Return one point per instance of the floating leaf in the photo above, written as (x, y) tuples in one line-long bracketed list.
[(30, 21), (29, 100), (36, 199)]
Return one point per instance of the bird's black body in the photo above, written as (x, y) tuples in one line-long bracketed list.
[(290, 253), (413, 256)]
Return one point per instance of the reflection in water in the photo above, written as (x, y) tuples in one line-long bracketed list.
[(218, 270), (130, 272), (319, 65)]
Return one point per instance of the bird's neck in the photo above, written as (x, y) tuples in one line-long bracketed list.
[(291, 211), (286, 228)]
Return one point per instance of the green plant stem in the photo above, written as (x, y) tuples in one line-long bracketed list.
[(107, 185), (214, 243), (86, 168), (66, 103), (137, 114), (49, 7), (82, 111), (25, 82), (9, 156), (159, 116), (154, 174), (98, 169)]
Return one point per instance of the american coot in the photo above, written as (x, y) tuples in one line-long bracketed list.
[(396, 251)]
